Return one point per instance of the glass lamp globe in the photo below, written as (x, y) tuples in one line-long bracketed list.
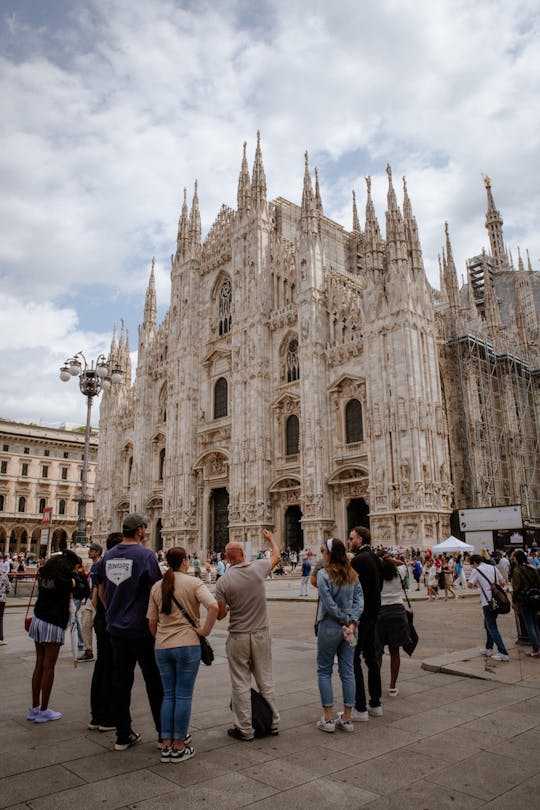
[(64, 374), (116, 376), (106, 383), (74, 368), (102, 369)]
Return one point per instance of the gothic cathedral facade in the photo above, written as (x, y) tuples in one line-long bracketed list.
[(297, 382)]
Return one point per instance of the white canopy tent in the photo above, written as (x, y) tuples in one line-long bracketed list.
[(450, 545)]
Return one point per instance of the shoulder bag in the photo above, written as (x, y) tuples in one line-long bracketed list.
[(207, 653), (410, 647)]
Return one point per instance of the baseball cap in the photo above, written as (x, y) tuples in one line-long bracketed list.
[(133, 521)]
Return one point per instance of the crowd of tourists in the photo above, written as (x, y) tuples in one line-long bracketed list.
[(146, 611)]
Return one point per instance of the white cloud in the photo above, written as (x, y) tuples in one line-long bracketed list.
[(110, 111)]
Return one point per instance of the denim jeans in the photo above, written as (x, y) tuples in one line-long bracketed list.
[(492, 631), (531, 623), (178, 667), (329, 642)]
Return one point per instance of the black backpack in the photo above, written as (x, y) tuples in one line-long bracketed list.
[(261, 715)]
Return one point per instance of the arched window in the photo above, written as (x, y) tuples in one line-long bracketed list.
[(225, 296), (129, 470), (161, 463), (22, 504), (292, 365), (61, 507), (220, 398), (41, 506), (162, 404), (354, 429), (292, 435), (1, 503)]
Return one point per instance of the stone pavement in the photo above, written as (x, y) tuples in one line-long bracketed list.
[(447, 740)]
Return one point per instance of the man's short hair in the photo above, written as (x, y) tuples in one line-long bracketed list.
[(132, 522), (476, 558), (95, 547), (364, 533)]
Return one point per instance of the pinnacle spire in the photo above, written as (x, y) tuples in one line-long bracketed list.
[(392, 200), (521, 266), (150, 306), (372, 224), (529, 265), (195, 219), (183, 228), (407, 207), (355, 220), (318, 201), (450, 274), (308, 209), (258, 177), (244, 185), (494, 223)]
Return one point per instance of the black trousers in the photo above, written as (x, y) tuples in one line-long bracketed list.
[(101, 691), (127, 652), (2, 608), (366, 648)]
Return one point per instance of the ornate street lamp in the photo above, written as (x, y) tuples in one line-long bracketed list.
[(91, 381)]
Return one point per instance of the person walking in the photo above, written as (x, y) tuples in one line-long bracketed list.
[(392, 624), (525, 577), (340, 605), (178, 648), (125, 577), (368, 567), (304, 579), (482, 577), (5, 588), (241, 593), (432, 579)]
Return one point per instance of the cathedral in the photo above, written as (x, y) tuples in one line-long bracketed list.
[(307, 378)]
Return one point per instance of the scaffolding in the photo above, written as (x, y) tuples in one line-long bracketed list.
[(477, 267), (498, 425)]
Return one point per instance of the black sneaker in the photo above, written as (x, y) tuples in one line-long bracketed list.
[(123, 745), (238, 735), (86, 656), (181, 756)]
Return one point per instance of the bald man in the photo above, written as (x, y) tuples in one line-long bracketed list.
[(241, 593)]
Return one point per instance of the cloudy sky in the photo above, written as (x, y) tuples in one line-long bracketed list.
[(111, 107)]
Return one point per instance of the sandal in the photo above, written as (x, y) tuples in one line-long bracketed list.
[(393, 692)]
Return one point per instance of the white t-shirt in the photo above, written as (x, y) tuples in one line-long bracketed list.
[(476, 578), (392, 590)]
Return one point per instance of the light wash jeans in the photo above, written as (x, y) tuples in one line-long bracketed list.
[(531, 623), (492, 631), (178, 667), (329, 642)]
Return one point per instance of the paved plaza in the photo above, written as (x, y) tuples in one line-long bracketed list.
[(458, 735)]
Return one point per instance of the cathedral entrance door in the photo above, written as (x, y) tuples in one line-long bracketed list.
[(357, 514), (220, 519), (294, 535), (159, 538)]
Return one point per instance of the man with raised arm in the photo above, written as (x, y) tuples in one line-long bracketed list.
[(241, 593)]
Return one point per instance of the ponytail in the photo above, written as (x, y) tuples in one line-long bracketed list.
[(175, 557)]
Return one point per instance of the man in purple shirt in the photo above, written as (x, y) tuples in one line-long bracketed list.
[(125, 577)]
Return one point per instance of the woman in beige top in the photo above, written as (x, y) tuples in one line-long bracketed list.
[(178, 649)]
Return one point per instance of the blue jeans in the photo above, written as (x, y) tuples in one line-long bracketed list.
[(178, 667), (492, 631), (531, 623), (329, 642)]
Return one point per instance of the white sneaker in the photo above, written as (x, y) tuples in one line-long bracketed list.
[(500, 657), (375, 711), (326, 725), (486, 653), (343, 725), (46, 715), (359, 717)]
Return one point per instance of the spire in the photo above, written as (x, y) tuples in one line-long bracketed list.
[(244, 185), (318, 201), (450, 274), (183, 228), (372, 225), (521, 266), (195, 220), (258, 178), (407, 207), (308, 210), (529, 265), (355, 220), (494, 225), (391, 197), (150, 307), (411, 232), (491, 306)]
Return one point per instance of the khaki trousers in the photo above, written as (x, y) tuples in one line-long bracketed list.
[(87, 613), (250, 653)]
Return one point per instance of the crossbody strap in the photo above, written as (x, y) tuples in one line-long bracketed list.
[(404, 589), (183, 610), (488, 581)]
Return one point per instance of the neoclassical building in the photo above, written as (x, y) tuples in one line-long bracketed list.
[(306, 378), (40, 468)]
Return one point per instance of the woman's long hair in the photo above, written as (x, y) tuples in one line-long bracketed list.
[(339, 568), (60, 565), (520, 557), (175, 557)]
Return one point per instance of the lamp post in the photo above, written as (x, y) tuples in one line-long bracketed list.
[(92, 379)]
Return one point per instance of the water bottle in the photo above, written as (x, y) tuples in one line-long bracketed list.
[(352, 640)]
